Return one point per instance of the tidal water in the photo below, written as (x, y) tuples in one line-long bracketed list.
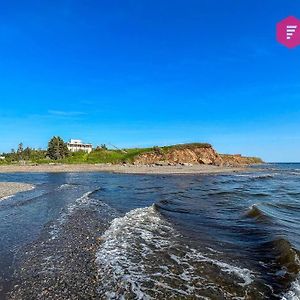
[(117, 236)]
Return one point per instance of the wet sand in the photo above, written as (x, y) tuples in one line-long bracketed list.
[(127, 169), (11, 188)]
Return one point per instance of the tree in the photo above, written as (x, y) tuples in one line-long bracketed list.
[(57, 148), (20, 151), (27, 153), (13, 155)]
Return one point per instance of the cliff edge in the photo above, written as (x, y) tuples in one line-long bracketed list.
[(196, 153)]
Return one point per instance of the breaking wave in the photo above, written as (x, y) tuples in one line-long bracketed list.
[(294, 292), (79, 202), (281, 258), (254, 177), (258, 214), (6, 197), (142, 257)]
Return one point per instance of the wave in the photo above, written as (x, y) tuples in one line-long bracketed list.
[(286, 255), (235, 193), (142, 257), (6, 197), (254, 177), (291, 206), (294, 173), (79, 202), (258, 214), (284, 266), (284, 252), (293, 193), (277, 254), (294, 291), (164, 205), (65, 186)]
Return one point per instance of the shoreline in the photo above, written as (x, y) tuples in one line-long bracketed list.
[(8, 189), (121, 169)]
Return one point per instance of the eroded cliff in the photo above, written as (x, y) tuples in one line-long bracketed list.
[(192, 154)]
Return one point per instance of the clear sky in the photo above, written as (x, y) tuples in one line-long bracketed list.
[(142, 73)]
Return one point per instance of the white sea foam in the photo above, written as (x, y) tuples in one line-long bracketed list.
[(64, 186), (246, 275), (294, 173), (79, 202), (294, 292), (141, 257), (6, 197), (260, 176)]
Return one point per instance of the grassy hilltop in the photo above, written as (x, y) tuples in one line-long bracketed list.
[(96, 156), (123, 155), (175, 153), (105, 156)]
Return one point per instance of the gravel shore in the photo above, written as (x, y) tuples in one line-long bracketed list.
[(128, 169), (11, 188), (62, 266)]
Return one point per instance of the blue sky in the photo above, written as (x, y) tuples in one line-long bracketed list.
[(142, 73)]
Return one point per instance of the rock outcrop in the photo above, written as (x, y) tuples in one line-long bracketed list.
[(238, 160), (191, 154)]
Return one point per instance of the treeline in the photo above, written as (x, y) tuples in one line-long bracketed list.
[(24, 154), (57, 149)]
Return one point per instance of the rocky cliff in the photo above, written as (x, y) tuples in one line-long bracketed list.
[(237, 160), (191, 154)]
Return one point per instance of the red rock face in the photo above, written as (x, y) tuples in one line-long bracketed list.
[(238, 160), (195, 155), (206, 156)]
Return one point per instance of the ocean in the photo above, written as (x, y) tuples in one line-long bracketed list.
[(120, 236)]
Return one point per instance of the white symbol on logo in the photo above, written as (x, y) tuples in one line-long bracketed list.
[(290, 30)]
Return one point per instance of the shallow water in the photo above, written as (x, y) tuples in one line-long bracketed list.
[(110, 236)]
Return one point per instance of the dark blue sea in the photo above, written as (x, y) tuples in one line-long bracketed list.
[(118, 236)]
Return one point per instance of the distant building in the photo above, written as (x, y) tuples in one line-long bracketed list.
[(2, 157), (78, 145)]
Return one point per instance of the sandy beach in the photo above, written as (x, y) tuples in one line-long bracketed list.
[(127, 169), (11, 188)]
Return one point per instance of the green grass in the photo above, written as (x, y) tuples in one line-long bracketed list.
[(104, 156), (252, 159), (75, 158), (256, 160), (186, 146), (111, 156), (115, 156)]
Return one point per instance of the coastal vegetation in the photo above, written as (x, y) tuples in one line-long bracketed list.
[(236, 157), (57, 152), (57, 148), (27, 154)]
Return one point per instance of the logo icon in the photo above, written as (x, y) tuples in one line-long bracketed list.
[(288, 32)]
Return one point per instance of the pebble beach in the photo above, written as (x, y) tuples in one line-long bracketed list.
[(10, 188), (120, 168)]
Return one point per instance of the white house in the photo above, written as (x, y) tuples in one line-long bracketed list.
[(78, 145)]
